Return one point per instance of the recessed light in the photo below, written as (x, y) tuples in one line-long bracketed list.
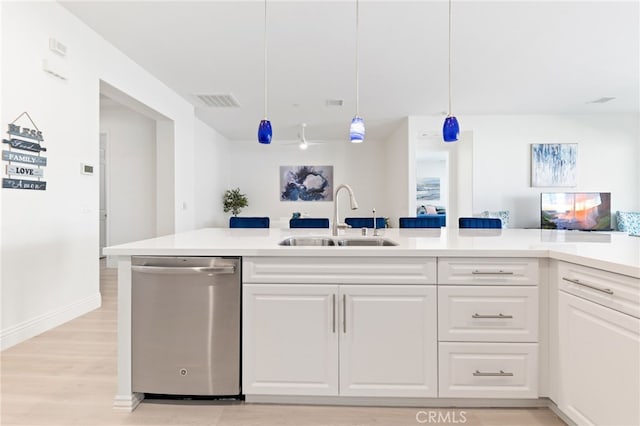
[(334, 102)]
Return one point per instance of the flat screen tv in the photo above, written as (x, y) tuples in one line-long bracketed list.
[(585, 211)]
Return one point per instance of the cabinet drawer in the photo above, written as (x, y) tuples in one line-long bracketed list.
[(488, 271), (343, 270), (487, 314), (488, 370), (616, 291)]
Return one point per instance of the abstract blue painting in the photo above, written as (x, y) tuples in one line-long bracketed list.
[(428, 188), (306, 183), (554, 164)]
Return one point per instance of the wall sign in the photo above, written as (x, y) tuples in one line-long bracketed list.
[(16, 145)]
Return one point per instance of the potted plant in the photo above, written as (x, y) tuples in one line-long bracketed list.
[(234, 201)]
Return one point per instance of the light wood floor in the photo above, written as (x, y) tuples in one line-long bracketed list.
[(67, 376)]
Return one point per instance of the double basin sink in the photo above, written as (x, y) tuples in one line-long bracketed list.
[(338, 241)]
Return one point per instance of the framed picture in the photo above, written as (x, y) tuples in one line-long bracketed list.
[(428, 188), (554, 164), (306, 183)]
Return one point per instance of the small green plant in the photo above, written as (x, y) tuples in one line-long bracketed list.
[(234, 201)]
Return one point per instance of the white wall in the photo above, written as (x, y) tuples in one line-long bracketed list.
[(212, 165), (255, 169), (608, 158), (400, 175), (57, 229), (131, 174)]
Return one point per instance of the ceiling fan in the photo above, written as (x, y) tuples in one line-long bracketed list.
[(302, 142)]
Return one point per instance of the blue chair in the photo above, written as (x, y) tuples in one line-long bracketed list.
[(479, 222), (427, 221), (248, 222), (309, 222), (364, 222)]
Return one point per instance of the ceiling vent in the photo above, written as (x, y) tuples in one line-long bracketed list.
[(334, 102), (219, 101)]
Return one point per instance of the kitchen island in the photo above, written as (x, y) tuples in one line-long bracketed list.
[(424, 283)]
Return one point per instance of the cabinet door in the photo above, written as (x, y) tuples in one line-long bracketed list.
[(388, 341), (290, 343), (599, 363)]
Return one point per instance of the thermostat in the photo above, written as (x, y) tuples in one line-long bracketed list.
[(86, 169)]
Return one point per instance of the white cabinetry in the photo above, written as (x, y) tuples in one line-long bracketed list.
[(290, 340), (598, 348), (488, 327), (303, 338)]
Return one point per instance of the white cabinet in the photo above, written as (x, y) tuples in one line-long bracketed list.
[(388, 341), (488, 327), (599, 363), (290, 340), (488, 313), (372, 340), (488, 370)]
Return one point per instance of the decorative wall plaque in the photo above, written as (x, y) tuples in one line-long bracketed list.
[(21, 139)]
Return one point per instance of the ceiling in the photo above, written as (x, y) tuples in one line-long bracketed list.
[(509, 57)]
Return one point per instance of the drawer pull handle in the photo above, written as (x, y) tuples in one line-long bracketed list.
[(603, 290), (500, 374), (499, 316), (500, 272)]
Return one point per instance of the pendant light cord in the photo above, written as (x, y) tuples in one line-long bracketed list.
[(357, 59), (450, 57), (265, 59)]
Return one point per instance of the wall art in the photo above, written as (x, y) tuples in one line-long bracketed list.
[(22, 138), (306, 183), (554, 164)]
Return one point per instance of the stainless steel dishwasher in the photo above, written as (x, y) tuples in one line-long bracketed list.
[(185, 324)]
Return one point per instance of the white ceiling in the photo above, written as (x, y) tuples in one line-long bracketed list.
[(509, 57)]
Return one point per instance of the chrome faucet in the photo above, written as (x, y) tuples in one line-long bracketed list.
[(375, 228), (354, 205)]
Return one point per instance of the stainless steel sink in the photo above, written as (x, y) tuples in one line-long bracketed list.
[(307, 241), (344, 242), (372, 242)]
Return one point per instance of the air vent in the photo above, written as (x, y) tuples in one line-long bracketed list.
[(334, 102), (602, 100), (219, 101)]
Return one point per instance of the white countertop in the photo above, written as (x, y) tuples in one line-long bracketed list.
[(612, 251)]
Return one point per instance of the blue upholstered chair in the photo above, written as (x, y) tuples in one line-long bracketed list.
[(309, 222), (426, 221), (480, 222), (248, 222), (364, 222)]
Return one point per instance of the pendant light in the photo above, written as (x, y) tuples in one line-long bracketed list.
[(356, 130), (264, 129), (451, 128)]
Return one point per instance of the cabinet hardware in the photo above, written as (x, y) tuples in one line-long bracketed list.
[(177, 270), (500, 374), (500, 272), (604, 290), (334, 313), (499, 316), (344, 313)]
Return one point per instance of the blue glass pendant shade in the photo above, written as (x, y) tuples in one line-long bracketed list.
[(264, 132), (451, 129), (356, 130)]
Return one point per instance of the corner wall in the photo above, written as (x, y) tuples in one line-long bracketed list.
[(49, 245)]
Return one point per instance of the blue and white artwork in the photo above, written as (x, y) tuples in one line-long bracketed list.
[(428, 188), (554, 164), (306, 183)]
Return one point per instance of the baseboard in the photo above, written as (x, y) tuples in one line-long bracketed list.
[(399, 402), (127, 402), (18, 333)]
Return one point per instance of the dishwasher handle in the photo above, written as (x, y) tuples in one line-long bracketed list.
[(184, 270)]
